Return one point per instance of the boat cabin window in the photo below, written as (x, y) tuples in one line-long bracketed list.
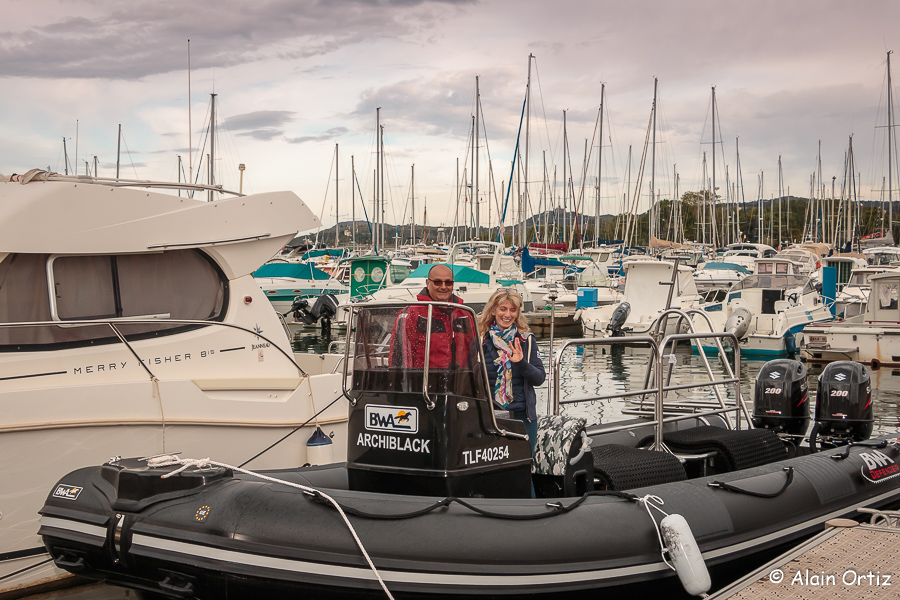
[(399, 273), (777, 268), (886, 295), (774, 281), (177, 284), (860, 280), (389, 351)]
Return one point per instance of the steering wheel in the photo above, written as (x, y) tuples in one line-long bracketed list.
[(794, 298)]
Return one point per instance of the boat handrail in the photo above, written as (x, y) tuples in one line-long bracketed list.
[(112, 323), (644, 423), (662, 382), (554, 401), (688, 318), (145, 183)]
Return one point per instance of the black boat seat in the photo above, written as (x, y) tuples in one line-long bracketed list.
[(619, 467), (740, 448)]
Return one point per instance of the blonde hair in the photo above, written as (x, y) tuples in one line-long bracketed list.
[(486, 318)]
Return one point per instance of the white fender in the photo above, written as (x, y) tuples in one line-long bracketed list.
[(319, 448), (685, 554)]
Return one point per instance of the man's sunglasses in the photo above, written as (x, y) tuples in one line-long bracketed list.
[(442, 282)]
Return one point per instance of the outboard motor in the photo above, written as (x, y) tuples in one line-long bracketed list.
[(300, 309), (323, 310), (739, 322), (619, 316), (780, 397), (844, 403), (422, 419)]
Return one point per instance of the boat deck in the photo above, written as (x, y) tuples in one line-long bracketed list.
[(846, 561)]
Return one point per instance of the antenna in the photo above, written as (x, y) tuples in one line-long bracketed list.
[(190, 143)]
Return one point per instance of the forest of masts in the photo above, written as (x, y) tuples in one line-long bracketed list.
[(537, 202)]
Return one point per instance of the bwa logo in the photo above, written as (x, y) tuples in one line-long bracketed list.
[(392, 418), (69, 492)]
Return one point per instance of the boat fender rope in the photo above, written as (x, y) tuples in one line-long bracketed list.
[(558, 508), (585, 447), (846, 450), (789, 478), (291, 432), (171, 460), (650, 501)]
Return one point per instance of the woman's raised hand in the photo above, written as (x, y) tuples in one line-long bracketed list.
[(517, 353)]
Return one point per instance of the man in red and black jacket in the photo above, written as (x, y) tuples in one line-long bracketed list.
[(452, 330)]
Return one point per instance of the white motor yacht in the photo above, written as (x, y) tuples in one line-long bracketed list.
[(647, 289), (776, 303), (130, 324), (852, 298), (872, 337)]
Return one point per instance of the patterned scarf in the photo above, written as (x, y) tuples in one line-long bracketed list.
[(503, 340)]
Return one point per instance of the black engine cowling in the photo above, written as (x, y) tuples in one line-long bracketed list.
[(844, 401), (781, 397)]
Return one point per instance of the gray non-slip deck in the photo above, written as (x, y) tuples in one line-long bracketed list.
[(846, 561)]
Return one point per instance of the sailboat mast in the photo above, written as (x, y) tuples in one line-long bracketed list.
[(653, 167), (337, 212), (118, 152), (381, 183), (412, 185), (713, 225), (599, 168), (475, 170), (890, 96), (780, 195), (375, 197), (523, 205), (759, 212), (212, 143), (471, 186), (353, 199), (565, 201)]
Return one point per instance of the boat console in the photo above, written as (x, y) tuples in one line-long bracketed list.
[(422, 420)]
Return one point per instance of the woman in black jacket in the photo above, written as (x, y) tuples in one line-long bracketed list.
[(514, 364)]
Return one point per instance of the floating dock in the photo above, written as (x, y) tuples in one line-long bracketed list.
[(848, 560)]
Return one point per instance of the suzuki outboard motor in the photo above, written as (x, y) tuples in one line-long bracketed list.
[(844, 403), (619, 316), (780, 397)]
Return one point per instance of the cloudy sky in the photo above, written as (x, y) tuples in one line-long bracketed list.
[(295, 77)]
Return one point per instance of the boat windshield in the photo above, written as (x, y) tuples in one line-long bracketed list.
[(774, 282), (393, 342), (861, 280)]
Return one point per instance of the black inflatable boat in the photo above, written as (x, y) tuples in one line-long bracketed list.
[(436, 492)]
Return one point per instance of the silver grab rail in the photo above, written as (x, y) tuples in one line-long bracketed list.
[(662, 382)]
